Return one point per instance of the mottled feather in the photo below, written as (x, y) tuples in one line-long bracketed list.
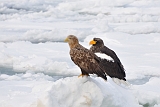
[(86, 60)]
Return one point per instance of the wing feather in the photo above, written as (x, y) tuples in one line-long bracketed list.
[(87, 61), (112, 69), (117, 61)]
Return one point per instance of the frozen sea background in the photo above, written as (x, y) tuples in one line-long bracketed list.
[(35, 67)]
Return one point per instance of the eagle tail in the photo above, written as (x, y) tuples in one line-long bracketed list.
[(119, 82), (102, 73), (122, 69), (104, 77)]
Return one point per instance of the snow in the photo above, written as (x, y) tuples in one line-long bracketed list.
[(35, 66), (42, 90)]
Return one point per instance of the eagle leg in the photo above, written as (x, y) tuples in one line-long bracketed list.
[(84, 73)]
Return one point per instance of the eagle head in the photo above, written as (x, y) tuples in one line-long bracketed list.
[(72, 41), (97, 42)]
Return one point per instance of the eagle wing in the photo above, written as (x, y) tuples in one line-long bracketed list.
[(110, 53), (113, 55), (87, 61), (112, 69)]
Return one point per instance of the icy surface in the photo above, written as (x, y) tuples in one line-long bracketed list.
[(42, 91), (35, 66)]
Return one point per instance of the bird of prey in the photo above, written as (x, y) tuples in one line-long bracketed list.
[(109, 60), (85, 59)]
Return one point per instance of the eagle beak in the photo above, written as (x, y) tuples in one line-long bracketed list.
[(66, 40), (92, 42)]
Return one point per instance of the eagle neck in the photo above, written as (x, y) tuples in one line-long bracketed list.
[(96, 49), (73, 45)]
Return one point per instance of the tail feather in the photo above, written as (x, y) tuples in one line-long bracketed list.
[(119, 82)]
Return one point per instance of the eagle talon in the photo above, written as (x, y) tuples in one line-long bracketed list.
[(82, 75)]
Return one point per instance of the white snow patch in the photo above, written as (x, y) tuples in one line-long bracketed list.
[(70, 91)]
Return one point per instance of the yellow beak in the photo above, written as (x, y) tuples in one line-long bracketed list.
[(66, 40), (92, 42)]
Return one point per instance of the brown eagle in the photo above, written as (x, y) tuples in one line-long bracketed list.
[(112, 65), (86, 60)]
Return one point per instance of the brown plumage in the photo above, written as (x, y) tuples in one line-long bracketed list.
[(86, 60), (113, 68)]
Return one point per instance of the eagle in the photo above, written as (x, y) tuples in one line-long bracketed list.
[(85, 59), (109, 60)]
